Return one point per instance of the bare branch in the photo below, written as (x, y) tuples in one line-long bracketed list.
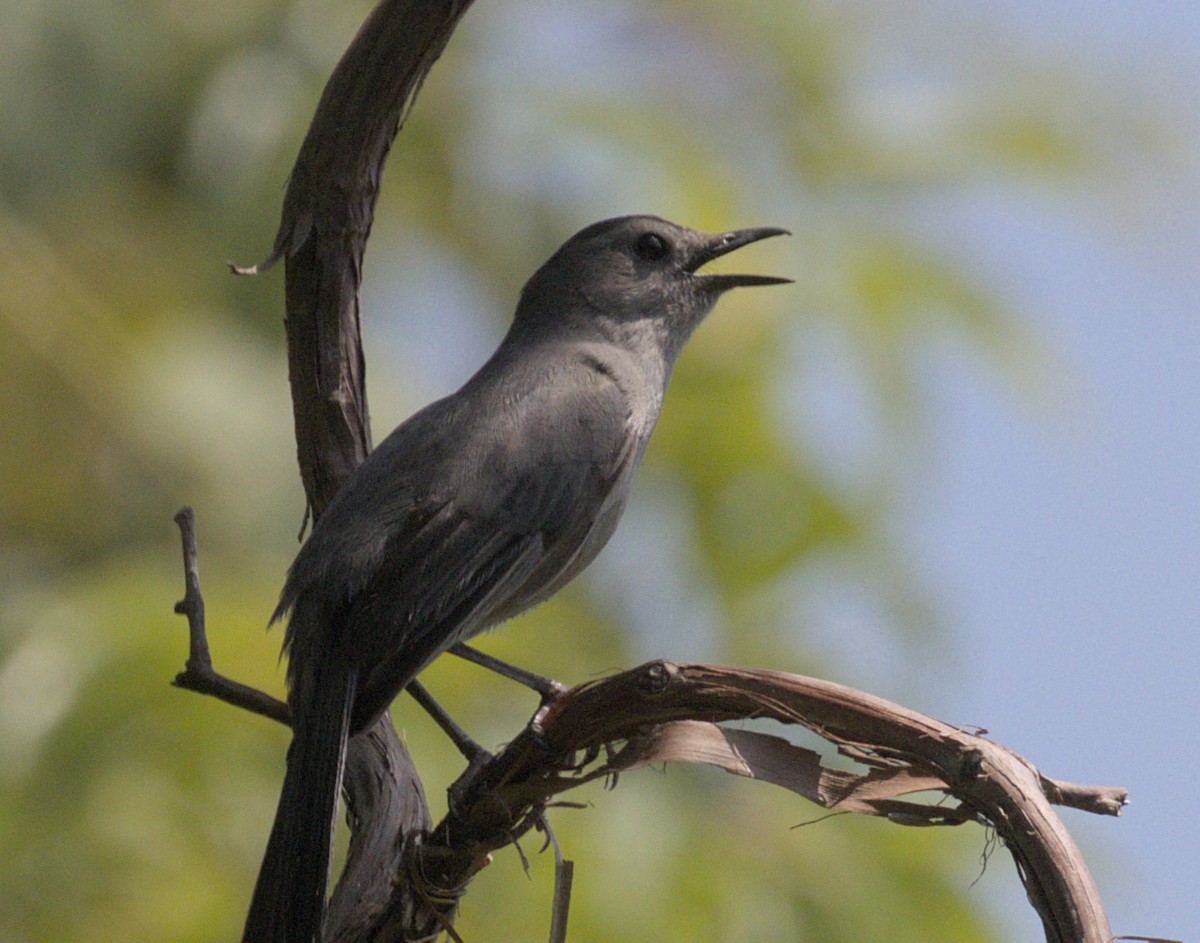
[(992, 784), (1100, 800), (198, 674), (327, 214)]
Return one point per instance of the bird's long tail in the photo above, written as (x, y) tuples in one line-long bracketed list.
[(289, 897)]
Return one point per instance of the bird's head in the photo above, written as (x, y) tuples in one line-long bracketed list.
[(637, 274)]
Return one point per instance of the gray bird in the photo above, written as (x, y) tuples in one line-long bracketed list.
[(479, 506)]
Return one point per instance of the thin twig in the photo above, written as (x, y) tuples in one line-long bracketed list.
[(192, 604), (564, 878), (1099, 800), (198, 674)]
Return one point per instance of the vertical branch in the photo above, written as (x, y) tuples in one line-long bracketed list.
[(198, 673), (327, 213), (192, 604)]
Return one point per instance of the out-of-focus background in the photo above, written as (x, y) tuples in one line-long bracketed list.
[(955, 464)]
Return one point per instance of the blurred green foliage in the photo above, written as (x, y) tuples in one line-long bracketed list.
[(146, 142)]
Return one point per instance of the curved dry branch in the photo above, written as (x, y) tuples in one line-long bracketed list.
[(668, 712), (403, 881)]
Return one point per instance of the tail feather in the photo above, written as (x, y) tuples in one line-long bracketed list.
[(289, 898)]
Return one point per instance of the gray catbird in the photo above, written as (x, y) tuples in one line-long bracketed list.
[(479, 506)]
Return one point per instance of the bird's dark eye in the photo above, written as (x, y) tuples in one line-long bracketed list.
[(651, 246)]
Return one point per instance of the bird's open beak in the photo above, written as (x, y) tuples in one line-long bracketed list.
[(725, 243)]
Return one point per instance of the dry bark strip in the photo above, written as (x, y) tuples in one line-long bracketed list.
[(402, 879)]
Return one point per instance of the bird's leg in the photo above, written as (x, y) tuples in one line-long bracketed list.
[(477, 757), (472, 751), (548, 688)]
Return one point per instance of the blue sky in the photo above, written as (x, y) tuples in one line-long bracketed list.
[(1066, 547), (1065, 552)]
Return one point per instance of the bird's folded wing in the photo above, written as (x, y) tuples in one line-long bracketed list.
[(435, 586)]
